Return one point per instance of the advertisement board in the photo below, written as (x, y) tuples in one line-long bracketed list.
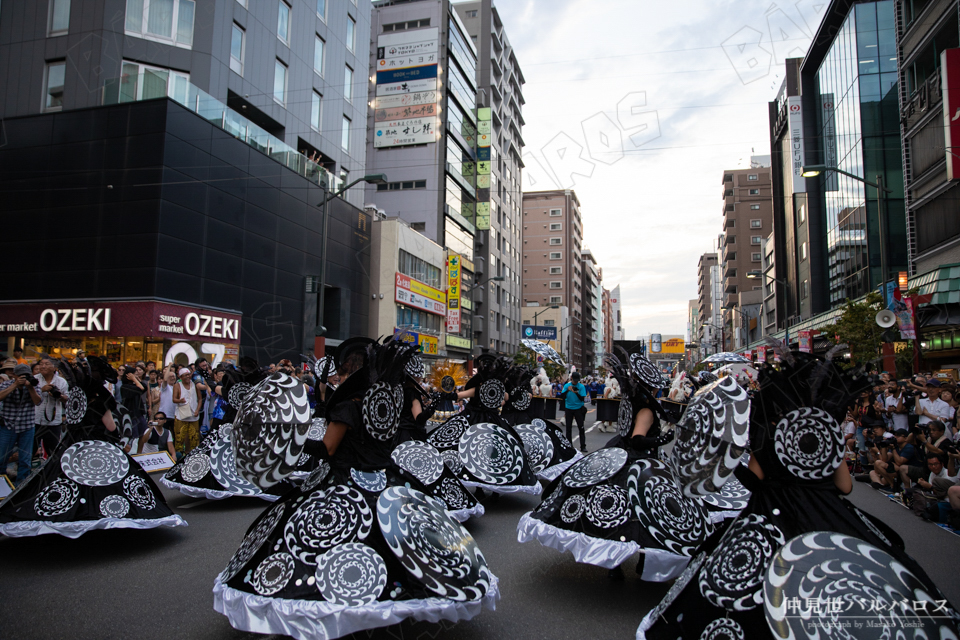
[(453, 294), (414, 293), (795, 127), (406, 99), (673, 345), (429, 345), (400, 88), (393, 114), (415, 131), (539, 332)]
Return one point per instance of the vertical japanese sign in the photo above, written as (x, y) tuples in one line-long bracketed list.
[(795, 130), (408, 88), (827, 109), (453, 293), (806, 340), (484, 135), (950, 83)]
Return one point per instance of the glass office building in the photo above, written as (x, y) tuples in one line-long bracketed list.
[(858, 131)]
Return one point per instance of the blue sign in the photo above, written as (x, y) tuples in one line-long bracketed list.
[(539, 333), (407, 75), (483, 153)]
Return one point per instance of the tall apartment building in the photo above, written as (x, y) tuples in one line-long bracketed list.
[(499, 83), (705, 303), (590, 310), (607, 322), (747, 221), (925, 32), (616, 305), (215, 124), (422, 134), (552, 245)]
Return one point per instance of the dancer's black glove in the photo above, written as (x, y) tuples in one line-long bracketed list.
[(640, 443), (317, 449), (425, 415)]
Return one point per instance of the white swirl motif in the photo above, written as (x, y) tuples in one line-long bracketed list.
[(453, 494), (114, 506), (625, 418), (431, 545), (273, 574), (573, 507), (223, 466), (76, 407), (537, 444), (139, 493), (57, 497), (414, 367), (607, 506), (491, 454), (595, 468), (490, 393), (723, 629), (326, 519), (732, 576), (372, 481), (520, 399), (381, 412), (253, 540), (94, 463), (419, 459), (448, 434), (318, 429), (451, 458), (809, 443), (237, 393), (677, 523), (552, 502), (733, 496), (352, 574), (195, 466), (316, 477), (647, 372)]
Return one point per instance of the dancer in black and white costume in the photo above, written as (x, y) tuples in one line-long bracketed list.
[(360, 544), (89, 482)]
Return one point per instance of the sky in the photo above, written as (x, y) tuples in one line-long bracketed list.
[(669, 95)]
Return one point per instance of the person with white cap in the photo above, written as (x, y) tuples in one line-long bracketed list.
[(186, 426)]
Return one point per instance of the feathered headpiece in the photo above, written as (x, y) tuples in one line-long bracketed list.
[(447, 368)]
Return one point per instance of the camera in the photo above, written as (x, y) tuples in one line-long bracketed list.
[(948, 447), (30, 380), (55, 392)]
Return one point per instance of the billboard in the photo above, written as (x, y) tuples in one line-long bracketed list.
[(407, 95), (795, 128), (539, 333), (406, 99), (418, 295), (453, 294), (673, 345), (401, 132), (656, 342)]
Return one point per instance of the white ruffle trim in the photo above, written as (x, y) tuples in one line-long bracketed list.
[(212, 494), (550, 474), (319, 620), (645, 625), (534, 490), (78, 528), (658, 565), (462, 515)]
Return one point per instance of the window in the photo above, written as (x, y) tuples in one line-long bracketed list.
[(803, 214), (554, 299), (556, 255), (315, 111), (409, 317), (555, 271), (322, 9), (755, 207), (556, 241), (804, 286), (348, 84), (345, 134), (318, 56), (556, 226), (752, 176), (755, 239), (756, 224), (53, 96), (556, 284), (242, 3), (418, 269), (283, 22), (410, 24), (59, 17), (549, 323), (236, 50), (555, 213), (351, 33), (280, 82), (754, 192), (168, 21), (803, 250), (140, 82), (755, 257), (471, 14), (402, 186)]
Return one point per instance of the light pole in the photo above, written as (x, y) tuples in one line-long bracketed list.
[(816, 169), (545, 309), (320, 331), (480, 284), (720, 343), (753, 275), (573, 321)]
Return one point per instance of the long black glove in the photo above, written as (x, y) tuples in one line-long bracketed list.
[(641, 443), (666, 437), (317, 449), (425, 415)]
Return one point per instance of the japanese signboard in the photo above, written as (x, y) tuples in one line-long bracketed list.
[(453, 293), (406, 106), (401, 132), (828, 108), (539, 333), (418, 111), (795, 131), (429, 345), (414, 293), (406, 99)]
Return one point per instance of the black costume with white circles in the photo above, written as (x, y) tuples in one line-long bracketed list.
[(94, 463), (537, 445), (196, 466), (573, 507), (448, 434), (723, 629), (254, 540), (138, 492), (327, 519), (607, 506), (491, 392), (809, 443), (491, 455), (381, 411), (114, 506), (647, 372), (625, 418), (372, 481), (454, 495), (419, 459), (353, 574), (677, 523), (57, 497), (732, 577), (237, 393), (273, 574), (76, 406), (595, 468)]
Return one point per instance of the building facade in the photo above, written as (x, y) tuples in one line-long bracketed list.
[(552, 246), (590, 310), (705, 330)]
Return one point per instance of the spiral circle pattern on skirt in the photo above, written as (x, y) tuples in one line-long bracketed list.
[(94, 463), (318, 429), (273, 573), (223, 466), (419, 459), (324, 368), (76, 406), (114, 506), (684, 579), (871, 585), (316, 477), (723, 629), (625, 418), (809, 443), (607, 506), (352, 574), (573, 507), (490, 393), (326, 519), (537, 444), (733, 496), (237, 393), (732, 576), (451, 458), (520, 399), (429, 543), (552, 502), (453, 494), (372, 481), (491, 454), (414, 367), (595, 468), (448, 434), (139, 492), (381, 412), (195, 466), (253, 541), (646, 372), (57, 497), (677, 523)]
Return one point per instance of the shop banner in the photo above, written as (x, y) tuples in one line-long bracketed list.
[(539, 333), (453, 294), (153, 462), (395, 114), (806, 340), (406, 100), (429, 345), (419, 295), (761, 355)]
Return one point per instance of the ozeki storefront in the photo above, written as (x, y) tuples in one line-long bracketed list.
[(124, 331)]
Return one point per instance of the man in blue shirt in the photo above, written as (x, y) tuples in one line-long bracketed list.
[(891, 456), (574, 394)]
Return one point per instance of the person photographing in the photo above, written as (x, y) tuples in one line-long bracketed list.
[(574, 394)]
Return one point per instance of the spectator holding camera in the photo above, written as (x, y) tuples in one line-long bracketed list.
[(54, 391), (940, 478), (158, 437), (949, 395), (890, 457), (932, 407), (894, 406), (19, 398)]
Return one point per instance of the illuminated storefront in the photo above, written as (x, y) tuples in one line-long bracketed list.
[(123, 331)]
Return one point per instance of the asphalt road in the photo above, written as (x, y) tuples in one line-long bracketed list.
[(157, 583)]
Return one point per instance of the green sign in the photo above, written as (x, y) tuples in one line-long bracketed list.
[(457, 341)]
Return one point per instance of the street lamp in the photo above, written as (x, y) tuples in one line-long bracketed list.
[(483, 282), (377, 178), (753, 275), (813, 170), (545, 309), (573, 321), (719, 345)]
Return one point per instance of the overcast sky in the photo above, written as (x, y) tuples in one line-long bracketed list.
[(652, 210)]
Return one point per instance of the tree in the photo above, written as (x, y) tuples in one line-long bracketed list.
[(857, 327), (528, 357)]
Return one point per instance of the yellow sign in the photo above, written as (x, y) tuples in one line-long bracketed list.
[(425, 290), (429, 345), (673, 345)]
